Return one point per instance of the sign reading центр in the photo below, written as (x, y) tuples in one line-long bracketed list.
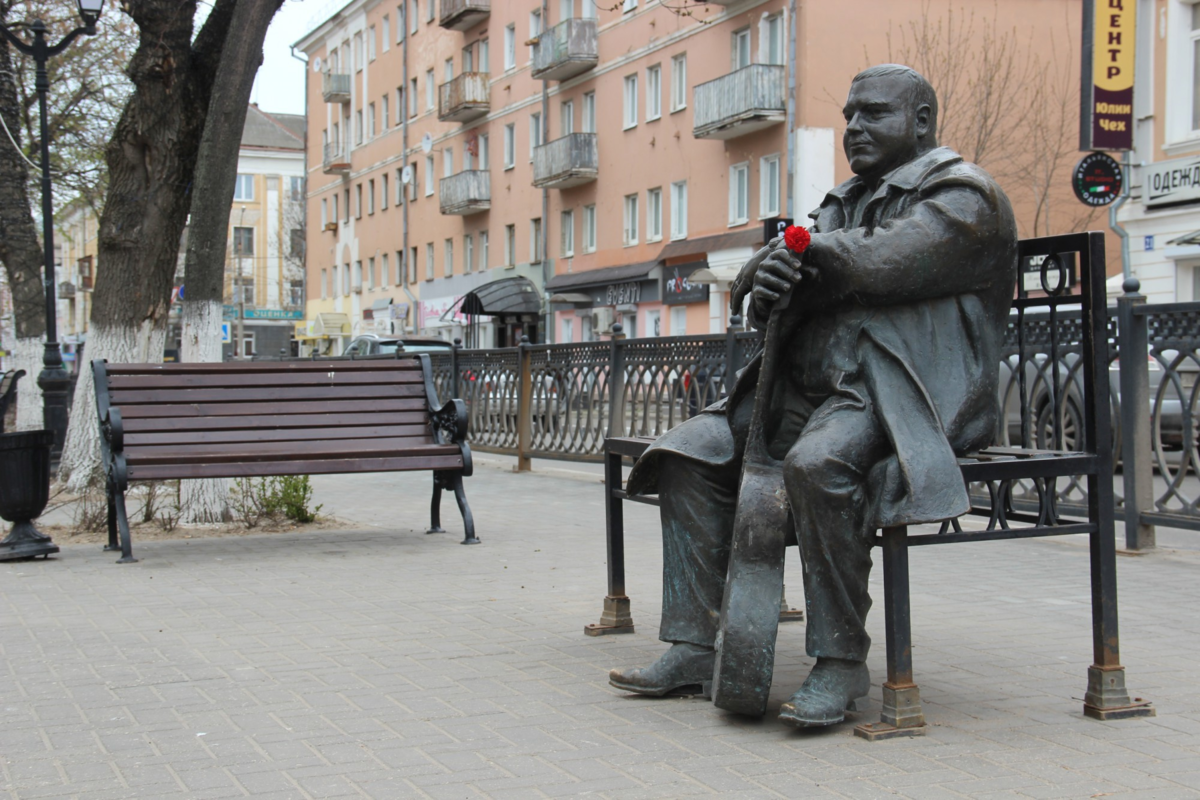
[(1106, 96)]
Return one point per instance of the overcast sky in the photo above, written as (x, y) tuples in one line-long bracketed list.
[(279, 86)]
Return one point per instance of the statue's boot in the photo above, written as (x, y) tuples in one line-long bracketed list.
[(683, 667), (828, 693)]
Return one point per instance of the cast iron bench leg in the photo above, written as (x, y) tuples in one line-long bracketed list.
[(616, 617), (902, 714), (460, 495), (435, 509), (112, 545), (123, 527)]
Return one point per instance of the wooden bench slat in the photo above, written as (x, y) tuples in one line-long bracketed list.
[(130, 398), (183, 454), (307, 467), (386, 364), (272, 421), (281, 408), (256, 434), (214, 381)]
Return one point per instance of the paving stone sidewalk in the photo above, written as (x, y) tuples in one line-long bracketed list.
[(382, 662)]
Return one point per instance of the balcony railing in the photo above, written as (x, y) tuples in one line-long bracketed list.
[(464, 98), (566, 50), (335, 160), (335, 87), (468, 192), (459, 15), (570, 161), (741, 102)]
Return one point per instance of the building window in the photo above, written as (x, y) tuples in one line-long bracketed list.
[(654, 215), (324, 212), (568, 234), (400, 278), (773, 33), (384, 271), (485, 56), (429, 11), (448, 258), (679, 210), (679, 82), (335, 207), (324, 283), (346, 279), (412, 265), (510, 245), (400, 23), (386, 40), (468, 252), (510, 145), (535, 28), (383, 116), (248, 339), (430, 89), (535, 133), (358, 276), (678, 320), (358, 126), (412, 98), (740, 49), (358, 201), (482, 147), (483, 251), (589, 229), (358, 51), (371, 43), (510, 47), (399, 186), (371, 196), (768, 180), (631, 219), (415, 16), (429, 261), (535, 243), (383, 191), (628, 5), (243, 241), (371, 120), (399, 104), (296, 188), (371, 272), (739, 194), (448, 70), (243, 188), (566, 117), (653, 92), (428, 176), (631, 101), (589, 112), (447, 162), (568, 330)]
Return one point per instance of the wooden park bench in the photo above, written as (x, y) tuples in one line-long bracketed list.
[(997, 471), (263, 418)]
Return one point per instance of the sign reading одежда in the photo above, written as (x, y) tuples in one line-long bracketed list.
[(1106, 96)]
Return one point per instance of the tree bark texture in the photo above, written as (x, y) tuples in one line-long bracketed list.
[(151, 159), (20, 248)]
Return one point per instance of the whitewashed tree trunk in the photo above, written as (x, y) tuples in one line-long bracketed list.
[(27, 355), (203, 500), (80, 467)]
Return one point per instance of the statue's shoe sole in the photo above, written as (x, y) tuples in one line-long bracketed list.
[(789, 715), (703, 688)]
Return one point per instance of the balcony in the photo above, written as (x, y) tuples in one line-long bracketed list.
[(335, 87), (459, 15), (335, 161), (566, 50), (739, 103), (468, 192), (570, 161), (464, 98)]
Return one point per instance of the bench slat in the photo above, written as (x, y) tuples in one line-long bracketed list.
[(308, 467), (272, 421), (275, 409), (277, 435), (221, 453), (314, 378), (129, 398), (386, 364)]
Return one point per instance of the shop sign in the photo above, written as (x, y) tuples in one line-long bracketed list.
[(1170, 182), (775, 226), (1097, 179), (231, 312), (1031, 272), (1107, 92), (619, 294), (678, 289)]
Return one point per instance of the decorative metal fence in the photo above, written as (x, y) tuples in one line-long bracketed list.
[(571, 396)]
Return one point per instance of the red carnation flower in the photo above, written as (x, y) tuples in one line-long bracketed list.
[(796, 238)]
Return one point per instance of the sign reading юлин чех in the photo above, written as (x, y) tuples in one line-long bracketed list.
[(1106, 96)]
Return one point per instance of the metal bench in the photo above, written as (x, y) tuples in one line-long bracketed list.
[(259, 419), (994, 473)]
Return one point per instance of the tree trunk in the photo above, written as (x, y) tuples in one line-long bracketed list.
[(20, 249), (151, 158), (215, 175)]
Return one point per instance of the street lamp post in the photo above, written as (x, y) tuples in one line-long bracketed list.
[(53, 379)]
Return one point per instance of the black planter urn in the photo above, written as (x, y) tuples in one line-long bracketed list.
[(24, 492)]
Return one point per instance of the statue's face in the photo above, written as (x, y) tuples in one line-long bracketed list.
[(883, 128)]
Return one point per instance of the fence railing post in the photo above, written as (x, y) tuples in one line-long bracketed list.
[(733, 360), (454, 383), (616, 383), (524, 406), (1136, 450)]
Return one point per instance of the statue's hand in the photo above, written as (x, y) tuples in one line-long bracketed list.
[(777, 273)]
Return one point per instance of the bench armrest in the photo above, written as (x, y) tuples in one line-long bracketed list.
[(450, 422)]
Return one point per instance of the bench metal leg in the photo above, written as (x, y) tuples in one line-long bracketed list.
[(616, 617), (460, 495), (902, 714), (435, 508), (112, 545), (123, 528)]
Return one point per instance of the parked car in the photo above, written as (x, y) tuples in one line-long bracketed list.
[(372, 344)]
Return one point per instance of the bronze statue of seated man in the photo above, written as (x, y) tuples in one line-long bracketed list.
[(883, 370)]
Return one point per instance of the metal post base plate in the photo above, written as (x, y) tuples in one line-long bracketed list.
[(616, 618), (878, 731), (1107, 698), (901, 715)]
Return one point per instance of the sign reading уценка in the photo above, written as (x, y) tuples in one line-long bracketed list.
[(1106, 96)]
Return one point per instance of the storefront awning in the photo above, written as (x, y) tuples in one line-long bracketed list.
[(710, 244), (571, 297), (1190, 238), (714, 275), (515, 295), (331, 324), (603, 276)]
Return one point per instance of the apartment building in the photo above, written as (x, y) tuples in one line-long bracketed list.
[(75, 245), (1163, 215), (490, 169)]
